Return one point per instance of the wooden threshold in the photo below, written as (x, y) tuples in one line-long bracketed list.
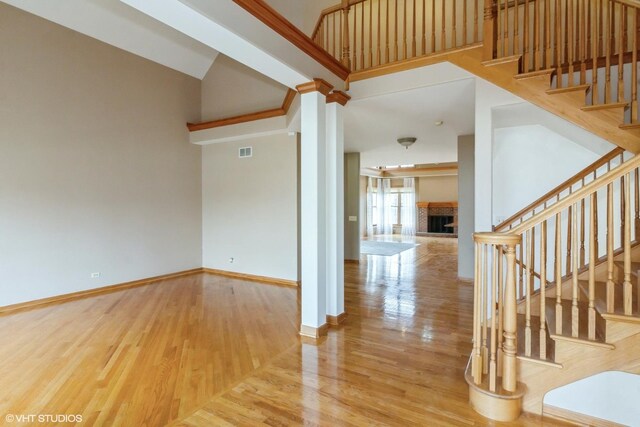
[(253, 277), (93, 292)]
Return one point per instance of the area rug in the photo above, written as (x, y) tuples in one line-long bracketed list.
[(372, 247)]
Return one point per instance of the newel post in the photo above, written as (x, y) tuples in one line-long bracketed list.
[(490, 35), (509, 373), (346, 49)]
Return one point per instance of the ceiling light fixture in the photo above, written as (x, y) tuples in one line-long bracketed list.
[(407, 142), (439, 123)]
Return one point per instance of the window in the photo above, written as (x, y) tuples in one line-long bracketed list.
[(396, 207)]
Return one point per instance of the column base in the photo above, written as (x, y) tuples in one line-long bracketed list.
[(337, 320), (315, 333)]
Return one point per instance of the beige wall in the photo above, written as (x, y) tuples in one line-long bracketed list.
[(466, 180), (352, 206), (231, 88), (437, 189), (250, 207), (302, 13), (96, 170)]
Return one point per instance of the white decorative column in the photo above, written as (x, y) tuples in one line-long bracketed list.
[(336, 102), (313, 222)]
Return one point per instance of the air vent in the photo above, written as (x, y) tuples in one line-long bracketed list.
[(245, 152)]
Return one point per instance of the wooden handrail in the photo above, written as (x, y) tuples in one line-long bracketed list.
[(286, 29), (577, 196), (561, 187), (328, 11)]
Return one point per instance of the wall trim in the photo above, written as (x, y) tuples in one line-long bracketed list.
[(253, 277), (283, 110), (337, 320), (93, 292), (576, 418), (314, 333)]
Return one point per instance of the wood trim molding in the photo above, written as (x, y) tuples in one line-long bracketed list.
[(93, 292), (337, 320), (288, 100), (315, 333), (437, 204), (278, 23), (317, 85), (253, 277), (575, 418), (338, 96), (250, 117), (267, 114)]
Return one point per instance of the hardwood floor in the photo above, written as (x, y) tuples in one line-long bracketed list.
[(398, 360), (143, 356), (205, 350)]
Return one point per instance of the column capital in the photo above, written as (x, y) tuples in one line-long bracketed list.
[(317, 85), (338, 96)]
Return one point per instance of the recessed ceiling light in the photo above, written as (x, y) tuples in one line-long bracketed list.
[(439, 123)]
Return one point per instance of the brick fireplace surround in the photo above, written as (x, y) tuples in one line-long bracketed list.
[(427, 209)]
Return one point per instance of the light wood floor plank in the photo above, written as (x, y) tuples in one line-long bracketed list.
[(204, 350)]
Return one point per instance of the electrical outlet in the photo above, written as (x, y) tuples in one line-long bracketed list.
[(95, 275), (231, 260)]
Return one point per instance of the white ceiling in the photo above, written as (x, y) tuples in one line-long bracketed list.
[(117, 24), (372, 125)]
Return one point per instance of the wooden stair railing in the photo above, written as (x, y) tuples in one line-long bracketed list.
[(582, 42), (604, 164), (367, 33), (536, 247)]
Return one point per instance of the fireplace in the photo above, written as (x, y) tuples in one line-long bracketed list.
[(437, 219), (438, 224)]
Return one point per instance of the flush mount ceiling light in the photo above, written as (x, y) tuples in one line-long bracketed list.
[(438, 123), (407, 142)]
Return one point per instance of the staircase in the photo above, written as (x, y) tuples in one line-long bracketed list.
[(557, 286), (562, 55)]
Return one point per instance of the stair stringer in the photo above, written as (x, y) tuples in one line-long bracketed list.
[(566, 104), (579, 360)]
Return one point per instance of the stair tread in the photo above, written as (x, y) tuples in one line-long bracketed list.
[(598, 107), (537, 73), (576, 88), (630, 126), (503, 60), (600, 300), (583, 321)]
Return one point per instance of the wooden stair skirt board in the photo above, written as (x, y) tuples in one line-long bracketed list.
[(93, 292), (576, 418), (253, 277)]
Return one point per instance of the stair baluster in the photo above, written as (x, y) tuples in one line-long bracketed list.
[(592, 267), (528, 290), (575, 314), (626, 286), (543, 287), (558, 264)]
